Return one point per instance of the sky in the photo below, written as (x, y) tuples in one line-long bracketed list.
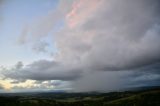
[(79, 45)]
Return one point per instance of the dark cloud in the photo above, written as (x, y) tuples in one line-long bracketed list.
[(118, 36), (124, 35), (118, 80), (43, 70)]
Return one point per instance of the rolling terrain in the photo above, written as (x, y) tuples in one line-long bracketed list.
[(146, 97)]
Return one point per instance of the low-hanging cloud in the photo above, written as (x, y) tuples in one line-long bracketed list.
[(42, 70)]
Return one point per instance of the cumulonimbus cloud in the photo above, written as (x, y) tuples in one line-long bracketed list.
[(98, 35), (117, 35)]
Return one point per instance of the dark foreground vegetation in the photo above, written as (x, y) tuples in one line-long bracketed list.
[(150, 97)]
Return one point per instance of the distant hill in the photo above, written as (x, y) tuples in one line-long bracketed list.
[(144, 96)]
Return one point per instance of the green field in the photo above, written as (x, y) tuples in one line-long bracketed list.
[(128, 98)]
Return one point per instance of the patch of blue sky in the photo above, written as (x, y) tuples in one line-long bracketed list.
[(16, 13)]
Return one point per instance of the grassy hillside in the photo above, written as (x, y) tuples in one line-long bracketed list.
[(151, 98), (132, 98)]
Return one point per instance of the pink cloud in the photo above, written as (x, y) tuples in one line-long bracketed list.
[(80, 11)]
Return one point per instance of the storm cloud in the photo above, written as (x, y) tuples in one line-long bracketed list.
[(101, 43), (42, 70)]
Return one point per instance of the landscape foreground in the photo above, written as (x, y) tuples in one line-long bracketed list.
[(145, 97)]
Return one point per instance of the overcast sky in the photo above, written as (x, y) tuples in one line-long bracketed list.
[(79, 45)]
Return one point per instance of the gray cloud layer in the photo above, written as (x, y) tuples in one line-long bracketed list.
[(42, 70), (113, 35)]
